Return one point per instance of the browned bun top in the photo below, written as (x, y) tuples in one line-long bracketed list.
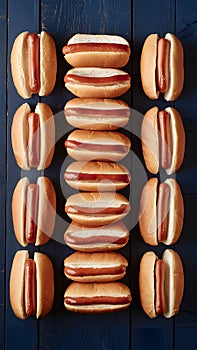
[(20, 64), (148, 212), (97, 113), (19, 135), (17, 284), (112, 57), (97, 259), (97, 200), (100, 137)]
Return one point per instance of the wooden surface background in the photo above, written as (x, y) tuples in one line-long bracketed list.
[(129, 329)]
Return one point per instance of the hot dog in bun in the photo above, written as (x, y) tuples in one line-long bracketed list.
[(161, 212), (163, 140), (99, 238), (94, 208), (88, 50), (162, 66), (95, 267), (33, 136), (94, 82), (97, 113), (97, 176), (161, 283), (97, 297), (34, 64), (34, 211), (31, 285), (86, 145)]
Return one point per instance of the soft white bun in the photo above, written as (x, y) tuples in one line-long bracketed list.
[(97, 260), (102, 168), (176, 67), (44, 286), (19, 135), (148, 212), (90, 90), (173, 283), (46, 210), (98, 137), (97, 201), (20, 64), (88, 290), (95, 121), (98, 58), (150, 140), (117, 230)]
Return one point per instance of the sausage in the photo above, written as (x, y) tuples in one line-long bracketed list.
[(124, 208), (30, 287), (72, 176), (94, 239), (95, 147), (33, 42), (34, 140), (165, 139), (162, 65), (98, 300), (163, 204), (31, 213), (81, 47), (82, 79), (122, 112), (159, 286), (88, 271)]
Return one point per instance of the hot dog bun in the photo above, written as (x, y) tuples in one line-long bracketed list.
[(150, 140), (92, 290), (46, 210), (94, 82), (97, 113), (173, 283), (20, 64), (95, 267), (97, 176), (44, 286), (94, 208), (148, 219), (97, 145), (88, 50), (176, 67), (99, 238), (19, 135)]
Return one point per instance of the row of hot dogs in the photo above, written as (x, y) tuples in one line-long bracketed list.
[(97, 212)]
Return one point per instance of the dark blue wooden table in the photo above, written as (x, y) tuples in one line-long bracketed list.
[(129, 329)]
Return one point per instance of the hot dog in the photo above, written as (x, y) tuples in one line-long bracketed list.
[(97, 114), (31, 285), (86, 145), (97, 82), (88, 50), (94, 208), (34, 211), (99, 238), (34, 64), (162, 67), (161, 212), (33, 136), (161, 283), (95, 267), (97, 176), (97, 297), (163, 140)]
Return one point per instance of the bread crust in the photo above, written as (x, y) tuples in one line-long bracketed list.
[(95, 260), (20, 69), (19, 135), (76, 289), (97, 137), (95, 58), (93, 121), (103, 168)]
